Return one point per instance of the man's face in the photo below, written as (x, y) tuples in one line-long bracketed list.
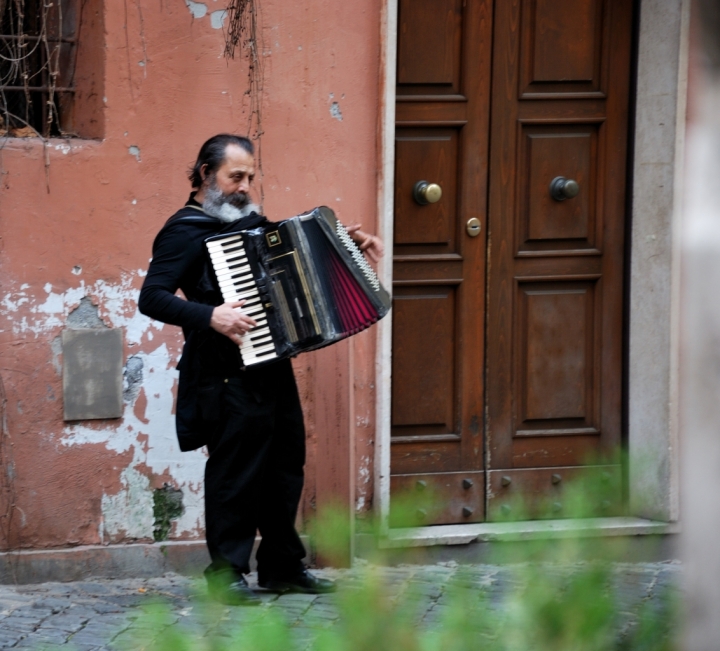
[(234, 176)]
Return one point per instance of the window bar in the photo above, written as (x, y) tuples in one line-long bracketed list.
[(39, 89), (28, 37)]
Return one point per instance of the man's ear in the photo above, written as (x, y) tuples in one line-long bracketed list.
[(203, 172)]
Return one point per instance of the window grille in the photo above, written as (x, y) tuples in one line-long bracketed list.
[(37, 67)]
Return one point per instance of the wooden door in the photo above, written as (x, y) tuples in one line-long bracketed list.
[(554, 339), (522, 323), (443, 82)]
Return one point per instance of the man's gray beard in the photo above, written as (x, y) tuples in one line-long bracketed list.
[(225, 208)]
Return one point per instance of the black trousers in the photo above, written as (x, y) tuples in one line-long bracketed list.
[(254, 474)]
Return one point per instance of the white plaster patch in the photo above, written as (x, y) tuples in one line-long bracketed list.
[(129, 512), (117, 305), (217, 18), (197, 9), (335, 111), (365, 471), (364, 480), (134, 150)]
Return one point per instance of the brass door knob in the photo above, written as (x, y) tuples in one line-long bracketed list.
[(425, 193), (473, 227), (562, 188)]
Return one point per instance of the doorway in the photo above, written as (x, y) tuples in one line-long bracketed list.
[(510, 152)]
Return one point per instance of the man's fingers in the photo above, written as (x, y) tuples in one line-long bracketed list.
[(245, 326), (236, 304)]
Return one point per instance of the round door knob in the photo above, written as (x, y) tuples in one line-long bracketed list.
[(473, 227), (425, 193), (562, 188)]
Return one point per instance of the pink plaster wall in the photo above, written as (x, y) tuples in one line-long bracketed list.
[(167, 88)]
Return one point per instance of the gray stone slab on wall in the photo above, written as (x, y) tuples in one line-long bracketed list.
[(92, 373)]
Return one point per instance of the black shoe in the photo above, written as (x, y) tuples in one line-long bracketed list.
[(302, 582), (230, 589)]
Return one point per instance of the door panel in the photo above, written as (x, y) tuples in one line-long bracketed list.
[(560, 102), (557, 358), (552, 492), (427, 153), (429, 44), (442, 117), (561, 46), (439, 498), (424, 360), (548, 151)]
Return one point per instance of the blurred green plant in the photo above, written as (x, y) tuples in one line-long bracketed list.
[(553, 608), (560, 594)]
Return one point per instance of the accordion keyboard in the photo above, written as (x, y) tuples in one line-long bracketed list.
[(235, 278)]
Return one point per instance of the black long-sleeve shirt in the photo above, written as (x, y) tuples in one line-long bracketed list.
[(180, 262)]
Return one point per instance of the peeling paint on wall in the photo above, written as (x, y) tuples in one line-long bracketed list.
[(117, 303), (132, 378), (364, 480), (200, 10), (85, 315), (151, 439), (129, 513), (335, 111), (197, 9), (217, 18), (146, 434)]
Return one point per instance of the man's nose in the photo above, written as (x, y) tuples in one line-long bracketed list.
[(244, 186)]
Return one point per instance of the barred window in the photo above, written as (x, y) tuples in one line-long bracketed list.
[(38, 58)]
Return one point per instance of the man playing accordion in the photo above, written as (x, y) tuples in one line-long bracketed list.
[(250, 418)]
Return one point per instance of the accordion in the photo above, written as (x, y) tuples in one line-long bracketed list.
[(305, 283)]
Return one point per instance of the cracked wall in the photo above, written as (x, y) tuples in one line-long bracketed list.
[(75, 256)]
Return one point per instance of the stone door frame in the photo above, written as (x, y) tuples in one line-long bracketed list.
[(653, 266)]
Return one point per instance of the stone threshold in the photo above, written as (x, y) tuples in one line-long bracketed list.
[(465, 534)]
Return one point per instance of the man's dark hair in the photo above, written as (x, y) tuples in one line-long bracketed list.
[(212, 154)]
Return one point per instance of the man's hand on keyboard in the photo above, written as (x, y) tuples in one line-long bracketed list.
[(229, 320)]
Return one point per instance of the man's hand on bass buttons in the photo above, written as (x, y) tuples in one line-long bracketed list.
[(370, 245), (229, 320)]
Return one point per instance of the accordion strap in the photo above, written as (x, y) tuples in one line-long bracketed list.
[(197, 217)]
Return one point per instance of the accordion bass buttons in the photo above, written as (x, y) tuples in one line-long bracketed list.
[(425, 193)]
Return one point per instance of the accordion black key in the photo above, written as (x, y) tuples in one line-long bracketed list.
[(304, 280)]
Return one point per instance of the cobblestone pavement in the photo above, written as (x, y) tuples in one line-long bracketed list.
[(108, 615)]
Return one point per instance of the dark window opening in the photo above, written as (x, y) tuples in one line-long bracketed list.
[(38, 57)]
